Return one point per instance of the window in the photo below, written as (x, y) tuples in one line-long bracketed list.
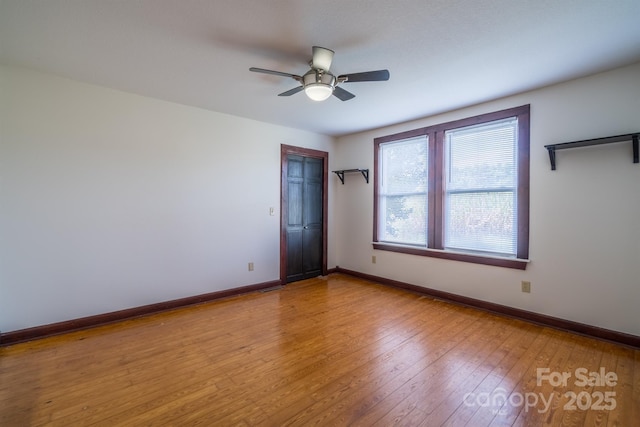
[(403, 191), (457, 190)]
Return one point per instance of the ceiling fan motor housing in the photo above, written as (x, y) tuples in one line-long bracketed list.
[(315, 77)]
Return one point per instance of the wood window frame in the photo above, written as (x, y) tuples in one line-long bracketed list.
[(435, 227)]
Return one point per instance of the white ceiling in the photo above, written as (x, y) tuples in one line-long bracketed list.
[(442, 54)]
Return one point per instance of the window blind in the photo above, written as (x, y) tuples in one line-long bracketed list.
[(480, 188), (403, 191)]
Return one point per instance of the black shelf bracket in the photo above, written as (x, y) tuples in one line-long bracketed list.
[(633, 137), (364, 172)]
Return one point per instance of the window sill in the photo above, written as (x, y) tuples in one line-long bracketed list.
[(519, 264)]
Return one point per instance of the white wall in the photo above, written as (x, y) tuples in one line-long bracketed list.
[(585, 216), (110, 200)]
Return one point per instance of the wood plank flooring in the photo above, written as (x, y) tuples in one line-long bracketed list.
[(334, 351)]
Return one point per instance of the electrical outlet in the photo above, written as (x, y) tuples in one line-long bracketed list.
[(373, 259), (526, 286), (250, 266)]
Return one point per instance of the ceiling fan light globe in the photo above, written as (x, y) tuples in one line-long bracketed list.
[(318, 91)]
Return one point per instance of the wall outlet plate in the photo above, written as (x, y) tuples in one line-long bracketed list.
[(526, 286)]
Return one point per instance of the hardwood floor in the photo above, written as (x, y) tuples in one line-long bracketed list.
[(327, 351)]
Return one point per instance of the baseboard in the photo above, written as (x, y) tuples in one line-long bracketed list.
[(22, 335), (332, 270), (529, 316)]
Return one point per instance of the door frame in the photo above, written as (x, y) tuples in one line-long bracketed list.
[(286, 150)]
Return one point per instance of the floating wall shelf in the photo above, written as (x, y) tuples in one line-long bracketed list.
[(364, 172), (633, 137)]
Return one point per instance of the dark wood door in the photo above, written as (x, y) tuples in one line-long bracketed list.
[(304, 220)]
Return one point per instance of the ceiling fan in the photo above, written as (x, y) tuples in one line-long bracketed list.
[(319, 83)]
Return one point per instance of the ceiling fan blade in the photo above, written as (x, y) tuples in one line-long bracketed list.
[(322, 58), (291, 91), (367, 76), (342, 94), (275, 73)]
